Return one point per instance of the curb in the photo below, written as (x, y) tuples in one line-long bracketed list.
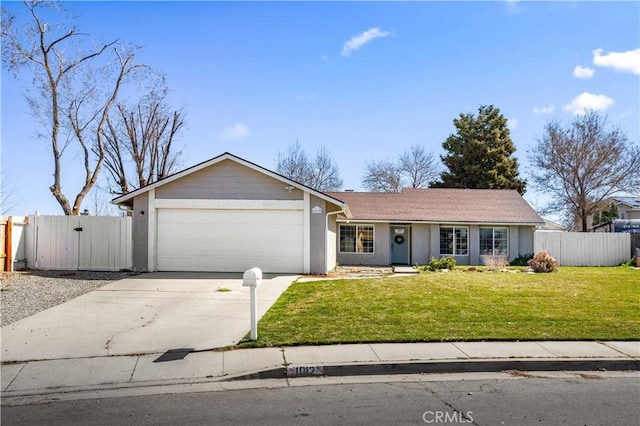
[(439, 367)]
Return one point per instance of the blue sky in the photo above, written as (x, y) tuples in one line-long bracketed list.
[(366, 80)]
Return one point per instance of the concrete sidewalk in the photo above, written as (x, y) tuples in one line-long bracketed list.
[(23, 379)]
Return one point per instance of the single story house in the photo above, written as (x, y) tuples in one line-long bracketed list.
[(416, 224), (228, 214)]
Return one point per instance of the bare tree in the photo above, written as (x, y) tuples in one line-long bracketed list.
[(321, 173), (383, 176), (325, 174), (419, 167), (139, 142), (8, 194), (583, 164), (73, 89), (99, 202), (414, 168)]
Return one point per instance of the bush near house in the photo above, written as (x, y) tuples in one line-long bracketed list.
[(440, 264), (522, 260), (543, 262)]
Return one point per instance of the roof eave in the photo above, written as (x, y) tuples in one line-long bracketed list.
[(438, 222)]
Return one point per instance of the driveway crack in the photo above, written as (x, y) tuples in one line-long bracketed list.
[(107, 345)]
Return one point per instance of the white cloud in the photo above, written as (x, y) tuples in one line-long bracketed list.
[(588, 101), (583, 72), (305, 97), (628, 61), (235, 132), (361, 39), (545, 109), (512, 123)]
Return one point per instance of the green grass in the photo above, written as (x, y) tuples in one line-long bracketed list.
[(573, 304)]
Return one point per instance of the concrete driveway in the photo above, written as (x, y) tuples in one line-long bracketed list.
[(149, 313)]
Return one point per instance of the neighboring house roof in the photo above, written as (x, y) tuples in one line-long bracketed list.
[(127, 199), (441, 205), (552, 226), (633, 202)]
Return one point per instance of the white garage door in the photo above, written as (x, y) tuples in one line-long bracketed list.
[(230, 240)]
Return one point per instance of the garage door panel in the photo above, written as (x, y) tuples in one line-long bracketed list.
[(229, 240)]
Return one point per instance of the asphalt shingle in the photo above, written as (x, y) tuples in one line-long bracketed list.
[(441, 205)]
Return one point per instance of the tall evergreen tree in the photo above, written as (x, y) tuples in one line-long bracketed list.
[(479, 155)]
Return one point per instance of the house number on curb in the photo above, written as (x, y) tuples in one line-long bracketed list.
[(304, 371)]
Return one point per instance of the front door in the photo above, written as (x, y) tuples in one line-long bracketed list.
[(399, 245)]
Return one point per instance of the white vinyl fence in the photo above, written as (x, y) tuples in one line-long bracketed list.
[(584, 249), (92, 243)]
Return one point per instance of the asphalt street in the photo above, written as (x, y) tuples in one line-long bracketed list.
[(512, 398)]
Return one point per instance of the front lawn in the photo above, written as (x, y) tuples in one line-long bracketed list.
[(575, 303)]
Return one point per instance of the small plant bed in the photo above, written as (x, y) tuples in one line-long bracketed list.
[(572, 304)]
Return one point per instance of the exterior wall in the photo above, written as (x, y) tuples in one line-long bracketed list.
[(420, 244), (434, 240), (474, 245), (626, 213), (514, 242), (141, 232), (317, 236), (227, 180), (332, 240), (381, 254), (425, 243), (525, 239)]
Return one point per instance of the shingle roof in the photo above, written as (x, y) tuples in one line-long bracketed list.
[(441, 205), (633, 202)]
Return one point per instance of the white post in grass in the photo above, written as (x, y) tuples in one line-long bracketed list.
[(253, 278)]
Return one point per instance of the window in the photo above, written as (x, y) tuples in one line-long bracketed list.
[(454, 241), (494, 242), (356, 239)]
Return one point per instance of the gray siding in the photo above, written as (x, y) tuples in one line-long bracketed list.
[(227, 180), (141, 232), (317, 237), (425, 243), (420, 244), (525, 239), (332, 238), (434, 241), (474, 245), (514, 242)]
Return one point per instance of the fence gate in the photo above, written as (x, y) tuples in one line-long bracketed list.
[(96, 243)]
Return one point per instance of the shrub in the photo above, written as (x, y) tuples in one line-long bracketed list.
[(630, 262), (543, 262), (443, 263), (522, 260), (495, 262)]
